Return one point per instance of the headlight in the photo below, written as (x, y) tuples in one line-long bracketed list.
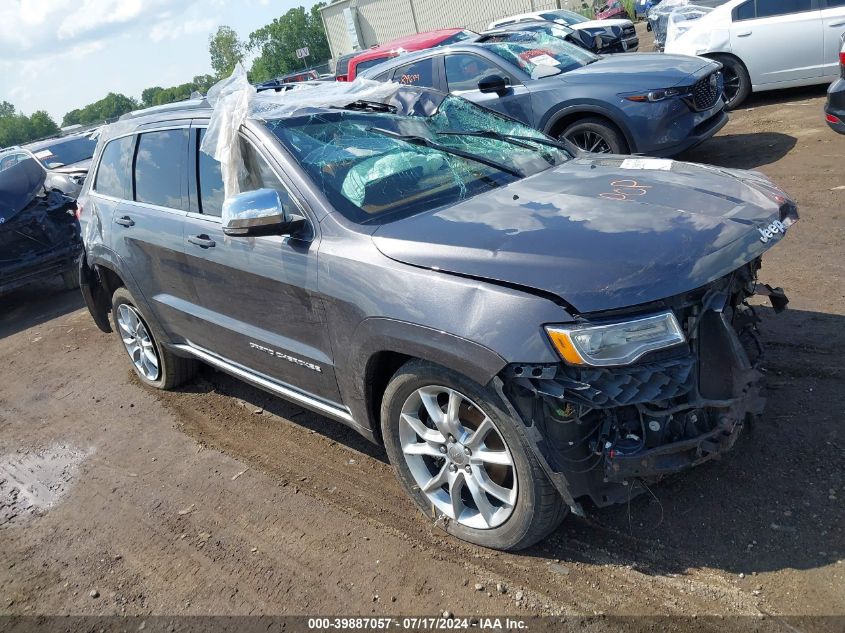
[(656, 95), (615, 343)]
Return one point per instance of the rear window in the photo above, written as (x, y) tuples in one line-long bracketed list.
[(67, 152), (369, 63), (159, 168), (343, 64), (114, 175)]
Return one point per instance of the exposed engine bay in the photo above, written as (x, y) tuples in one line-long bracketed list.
[(602, 429)]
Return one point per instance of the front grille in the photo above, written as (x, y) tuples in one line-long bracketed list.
[(706, 91), (628, 32)]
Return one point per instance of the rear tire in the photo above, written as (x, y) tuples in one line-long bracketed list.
[(592, 134), (737, 81), (522, 506), (153, 364)]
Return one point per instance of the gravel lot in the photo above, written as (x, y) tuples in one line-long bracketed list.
[(219, 499)]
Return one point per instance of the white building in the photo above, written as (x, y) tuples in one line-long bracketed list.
[(358, 24)]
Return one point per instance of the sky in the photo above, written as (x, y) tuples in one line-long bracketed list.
[(57, 55)]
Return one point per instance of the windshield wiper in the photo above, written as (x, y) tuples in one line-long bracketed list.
[(516, 139), (427, 142)]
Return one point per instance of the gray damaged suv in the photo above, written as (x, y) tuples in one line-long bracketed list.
[(522, 326)]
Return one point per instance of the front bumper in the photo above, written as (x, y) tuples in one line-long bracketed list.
[(705, 129), (598, 431), (835, 107)]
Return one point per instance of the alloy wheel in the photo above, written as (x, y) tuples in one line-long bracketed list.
[(731, 84), (590, 141), (137, 340), (457, 457)]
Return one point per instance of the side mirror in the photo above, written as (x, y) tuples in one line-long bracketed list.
[(258, 212), (494, 83)]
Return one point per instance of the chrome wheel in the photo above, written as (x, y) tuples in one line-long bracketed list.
[(590, 141), (137, 341), (457, 457)]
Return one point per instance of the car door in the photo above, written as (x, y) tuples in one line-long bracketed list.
[(833, 25), (463, 72), (779, 41), (140, 188), (254, 301)]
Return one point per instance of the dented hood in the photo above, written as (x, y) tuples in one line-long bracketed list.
[(601, 233)]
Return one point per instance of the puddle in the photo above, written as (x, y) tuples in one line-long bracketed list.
[(33, 481)]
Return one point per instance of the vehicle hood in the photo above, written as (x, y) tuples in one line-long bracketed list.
[(19, 185), (601, 233), (596, 24), (647, 71), (74, 168)]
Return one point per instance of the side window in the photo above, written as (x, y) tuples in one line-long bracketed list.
[(745, 11), (830, 4), (159, 168), (114, 175), (369, 63), (771, 8), (463, 72), (418, 73), (209, 181)]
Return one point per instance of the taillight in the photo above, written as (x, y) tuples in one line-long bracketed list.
[(78, 212), (842, 58), (832, 119)]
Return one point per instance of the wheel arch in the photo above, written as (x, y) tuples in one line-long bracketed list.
[(563, 118), (380, 346)]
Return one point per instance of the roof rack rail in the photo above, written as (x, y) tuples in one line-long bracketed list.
[(187, 104)]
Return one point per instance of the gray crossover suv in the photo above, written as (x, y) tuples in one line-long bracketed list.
[(653, 104), (523, 327)]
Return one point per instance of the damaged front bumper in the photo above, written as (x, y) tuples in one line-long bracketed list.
[(601, 429)]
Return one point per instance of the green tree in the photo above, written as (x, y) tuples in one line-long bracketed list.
[(276, 43), (42, 125), (17, 128), (148, 95), (109, 107), (226, 50)]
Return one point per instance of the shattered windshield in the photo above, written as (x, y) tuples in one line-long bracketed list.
[(374, 164), (530, 50)]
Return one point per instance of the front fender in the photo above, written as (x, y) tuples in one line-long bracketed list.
[(553, 117)]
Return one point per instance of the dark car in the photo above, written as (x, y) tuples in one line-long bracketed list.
[(601, 41), (646, 103), (521, 327), (835, 108), (39, 232), (66, 160)]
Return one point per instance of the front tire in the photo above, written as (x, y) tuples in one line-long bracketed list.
[(154, 365), (595, 135), (460, 457), (737, 81)]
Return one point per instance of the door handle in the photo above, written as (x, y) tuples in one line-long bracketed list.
[(203, 241), (125, 221), (836, 25), (744, 34)]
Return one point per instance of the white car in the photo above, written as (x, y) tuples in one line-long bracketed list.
[(573, 21), (765, 44)]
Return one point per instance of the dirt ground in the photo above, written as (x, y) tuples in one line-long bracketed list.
[(219, 499)]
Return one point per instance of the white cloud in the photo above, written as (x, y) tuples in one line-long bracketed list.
[(173, 29)]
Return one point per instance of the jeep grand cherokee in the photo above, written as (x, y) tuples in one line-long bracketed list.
[(523, 326)]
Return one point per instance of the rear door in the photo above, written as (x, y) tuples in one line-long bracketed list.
[(833, 25), (254, 301), (147, 224), (778, 40), (463, 72)]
